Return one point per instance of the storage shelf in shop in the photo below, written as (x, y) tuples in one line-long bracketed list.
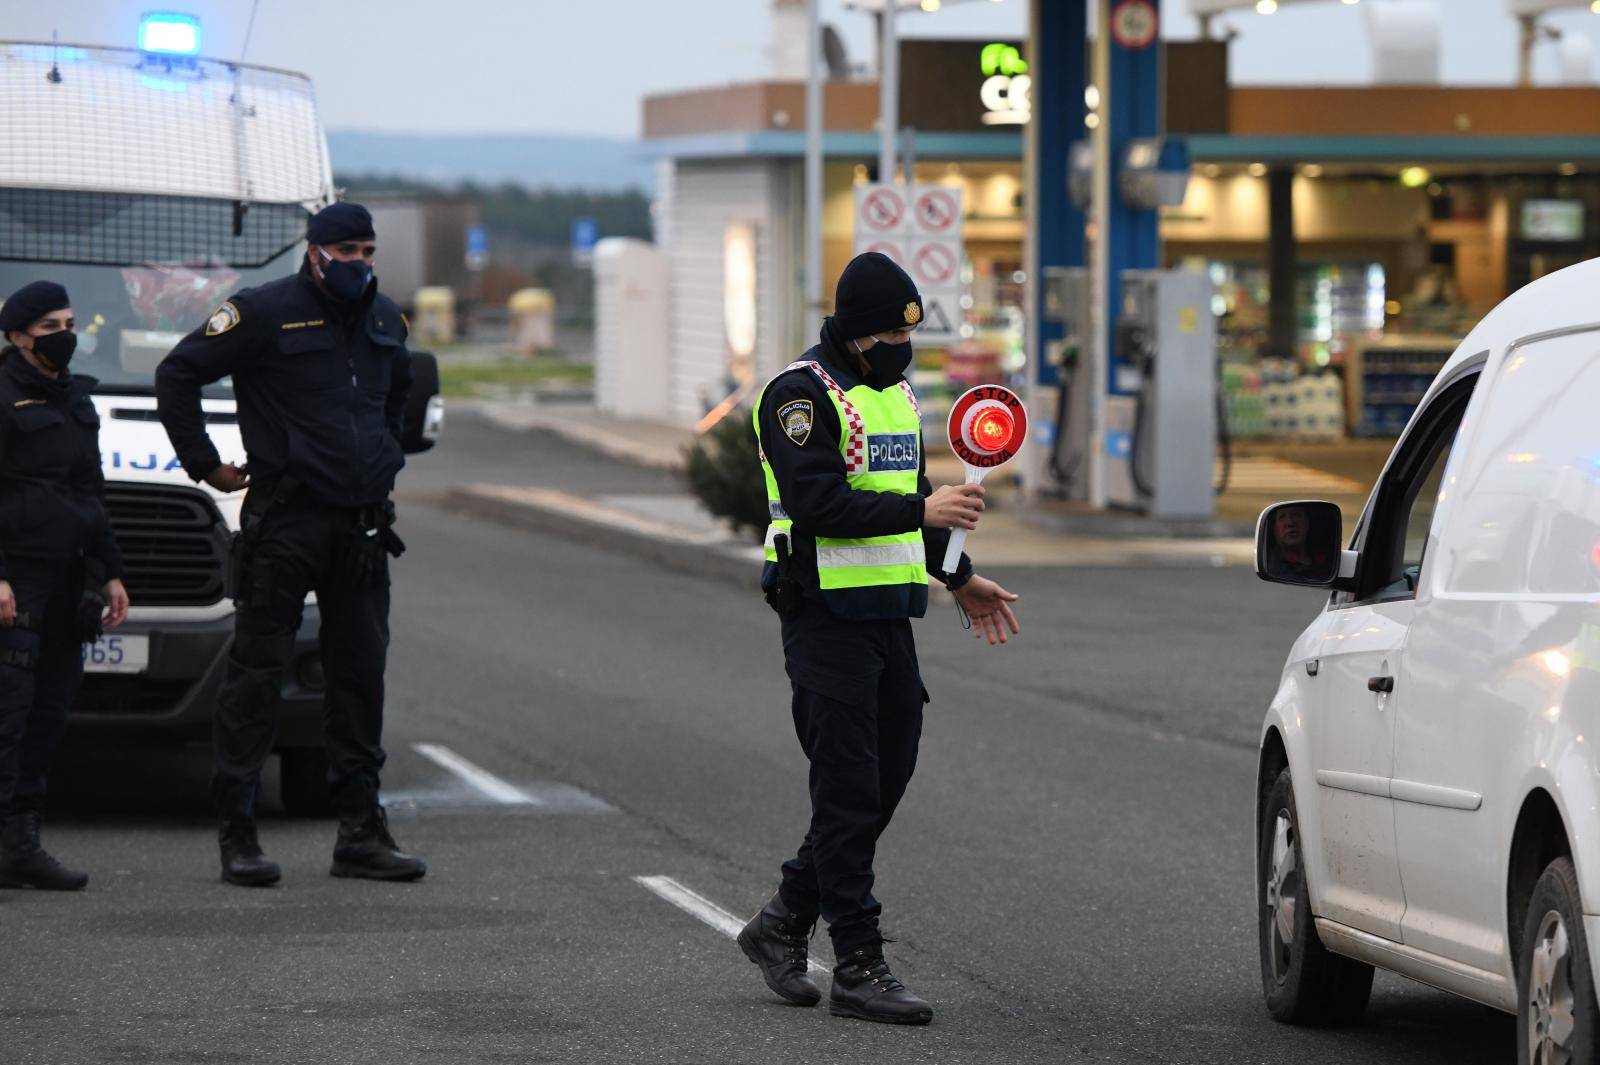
[(1385, 379)]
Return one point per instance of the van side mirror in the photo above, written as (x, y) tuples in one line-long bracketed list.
[(423, 419), (1300, 543)]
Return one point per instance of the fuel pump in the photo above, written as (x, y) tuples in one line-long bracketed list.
[(1161, 432), (1066, 303)]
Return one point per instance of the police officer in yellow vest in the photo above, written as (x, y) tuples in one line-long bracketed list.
[(855, 524)]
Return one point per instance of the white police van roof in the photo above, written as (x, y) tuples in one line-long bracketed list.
[(123, 121)]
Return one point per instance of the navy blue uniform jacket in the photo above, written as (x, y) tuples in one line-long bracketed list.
[(321, 387), (52, 491)]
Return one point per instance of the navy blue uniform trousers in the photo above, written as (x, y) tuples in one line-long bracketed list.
[(857, 709), (40, 673), (303, 546)]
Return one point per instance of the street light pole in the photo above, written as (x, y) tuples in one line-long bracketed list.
[(888, 93), (813, 168)]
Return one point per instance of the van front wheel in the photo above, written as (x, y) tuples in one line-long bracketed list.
[(1556, 1012), (1304, 982)]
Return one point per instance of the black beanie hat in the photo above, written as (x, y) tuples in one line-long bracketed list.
[(874, 296), (339, 221), (30, 303)]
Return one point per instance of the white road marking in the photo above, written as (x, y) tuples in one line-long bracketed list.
[(481, 779), (697, 905)]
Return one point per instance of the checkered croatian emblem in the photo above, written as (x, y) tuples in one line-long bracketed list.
[(855, 443)]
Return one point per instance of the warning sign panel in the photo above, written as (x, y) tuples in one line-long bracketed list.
[(935, 264), (919, 227), (894, 249), (941, 318), (880, 210), (936, 211)]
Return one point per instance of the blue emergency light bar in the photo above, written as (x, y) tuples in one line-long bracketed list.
[(169, 33)]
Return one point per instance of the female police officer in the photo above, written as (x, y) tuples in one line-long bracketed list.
[(854, 520), (53, 527)]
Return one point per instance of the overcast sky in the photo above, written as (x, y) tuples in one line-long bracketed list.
[(581, 66)]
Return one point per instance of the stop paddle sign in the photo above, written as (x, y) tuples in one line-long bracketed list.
[(987, 427)]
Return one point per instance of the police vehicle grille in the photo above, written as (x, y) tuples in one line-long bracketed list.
[(108, 693), (173, 541)]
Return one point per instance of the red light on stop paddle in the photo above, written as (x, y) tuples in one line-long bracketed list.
[(992, 429)]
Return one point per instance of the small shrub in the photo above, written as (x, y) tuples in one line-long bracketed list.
[(723, 469)]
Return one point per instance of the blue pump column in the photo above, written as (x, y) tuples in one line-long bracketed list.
[(1057, 55), (1129, 83), (1128, 77)]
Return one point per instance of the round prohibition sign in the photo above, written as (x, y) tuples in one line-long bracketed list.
[(889, 248), (1134, 23), (935, 264), (882, 209), (936, 210)]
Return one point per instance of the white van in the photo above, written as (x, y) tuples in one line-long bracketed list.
[(153, 186), (1428, 795)]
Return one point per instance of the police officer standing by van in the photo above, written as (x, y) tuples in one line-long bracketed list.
[(60, 571), (854, 523), (320, 369)]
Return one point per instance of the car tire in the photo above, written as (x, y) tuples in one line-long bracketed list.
[(303, 778), (1556, 1011), (1303, 981)]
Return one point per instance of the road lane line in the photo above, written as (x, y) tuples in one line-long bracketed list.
[(481, 779), (697, 905)]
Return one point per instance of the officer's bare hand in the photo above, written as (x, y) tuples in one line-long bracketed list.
[(116, 603), (953, 506), (227, 478), (8, 604), (989, 607)]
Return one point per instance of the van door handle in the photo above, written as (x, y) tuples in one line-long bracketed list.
[(1381, 685), (1313, 667)]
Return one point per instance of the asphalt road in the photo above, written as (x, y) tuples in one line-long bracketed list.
[(1069, 878)]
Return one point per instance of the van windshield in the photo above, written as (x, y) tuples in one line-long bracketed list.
[(130, 317), (141, 271)]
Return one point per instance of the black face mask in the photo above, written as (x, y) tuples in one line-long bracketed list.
[(56, 349), (345, 280), (887, 362)]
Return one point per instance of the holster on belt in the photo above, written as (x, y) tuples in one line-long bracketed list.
[(242, 544), (785, 594)]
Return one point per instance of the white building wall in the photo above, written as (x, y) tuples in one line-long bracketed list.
[(703, 199)]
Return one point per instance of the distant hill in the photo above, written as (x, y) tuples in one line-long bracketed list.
[(536, 160)]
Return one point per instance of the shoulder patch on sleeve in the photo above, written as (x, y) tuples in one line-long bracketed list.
[(797, 417), (222, 319)]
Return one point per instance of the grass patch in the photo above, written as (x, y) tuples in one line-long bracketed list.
[(467, 379)]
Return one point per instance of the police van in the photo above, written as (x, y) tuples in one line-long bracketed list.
[(153, 183)]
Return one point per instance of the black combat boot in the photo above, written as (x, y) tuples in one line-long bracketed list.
[(23, 863), (365, 849), (242, 860), (864, 987), (777, 940)]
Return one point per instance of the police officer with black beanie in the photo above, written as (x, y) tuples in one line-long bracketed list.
[(60, 570), (320, 368), (856, 531)]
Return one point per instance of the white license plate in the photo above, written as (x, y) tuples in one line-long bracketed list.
[(117, 654)]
